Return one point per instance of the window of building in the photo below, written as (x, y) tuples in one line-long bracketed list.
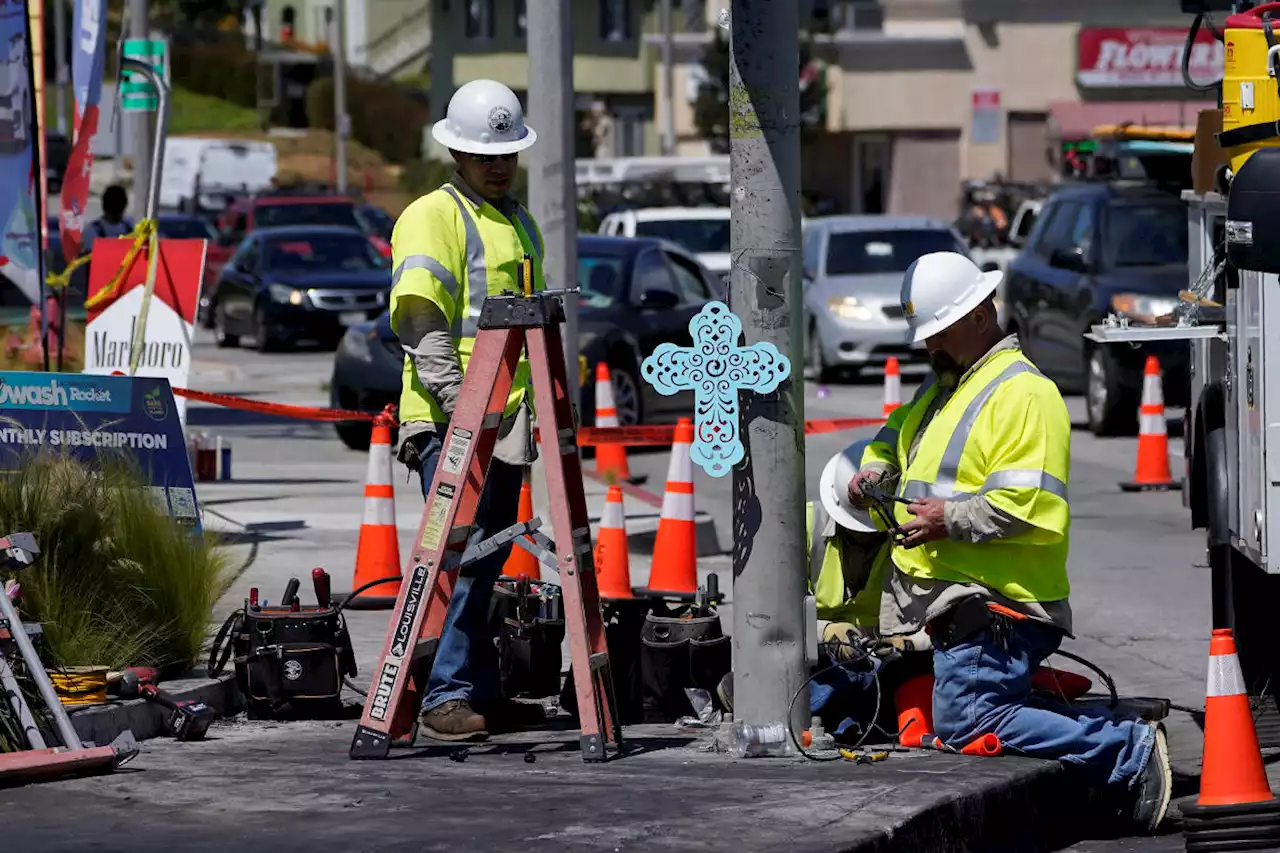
[(615, 20), (522, 19), (480, 19)]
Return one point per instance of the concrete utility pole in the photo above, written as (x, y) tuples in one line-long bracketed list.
[(340, 121), (63, 75), (553, 195), (668, 83), (140, 28), (769, 556)]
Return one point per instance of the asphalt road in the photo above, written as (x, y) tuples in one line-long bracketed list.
[(1139, 594)]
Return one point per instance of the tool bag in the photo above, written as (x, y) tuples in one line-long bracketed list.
[(624, 620), (681, 649), (528, 622), (288, 663)]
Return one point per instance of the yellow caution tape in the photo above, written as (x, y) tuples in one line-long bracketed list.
[(142, 234)]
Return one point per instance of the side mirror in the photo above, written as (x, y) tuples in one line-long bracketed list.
[(990, 266), (1069, 259), (659, 300)]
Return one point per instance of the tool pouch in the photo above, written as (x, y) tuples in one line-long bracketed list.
[(528, 624), (967, 619), (679, 651), (623, 620), (287, 663)]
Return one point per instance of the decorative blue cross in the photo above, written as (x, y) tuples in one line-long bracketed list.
[(716, 368)]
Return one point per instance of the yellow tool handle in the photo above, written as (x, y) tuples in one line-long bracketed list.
[(526, 275)]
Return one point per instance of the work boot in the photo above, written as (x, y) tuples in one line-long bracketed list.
[(1155, 786), (452, 721), (725, 691), (507, 715)]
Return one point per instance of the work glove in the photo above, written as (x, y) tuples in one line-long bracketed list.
[(838, 638), (862, 479)]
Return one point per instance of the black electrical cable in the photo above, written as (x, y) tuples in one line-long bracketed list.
[(1186, 55), (347, 600)]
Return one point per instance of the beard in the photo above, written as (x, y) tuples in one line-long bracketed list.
[(946, 368)]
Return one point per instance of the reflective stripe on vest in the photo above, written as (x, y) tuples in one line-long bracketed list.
[(817, 544), (944, 484), (440, 271)]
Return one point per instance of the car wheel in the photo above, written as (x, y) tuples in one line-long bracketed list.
[(815, 364), (1112, 408), (224, 339), (356, 435), (626, 396), (262, 332)]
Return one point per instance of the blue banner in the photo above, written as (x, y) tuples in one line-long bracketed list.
[(19, 229), (87, 58), (85, 416)]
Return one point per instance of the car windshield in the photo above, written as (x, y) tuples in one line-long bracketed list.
[(272, 215), (185, 229), (377, 221), (330, 253), (1146, 235), (602, 279), (872, 252), (693, 235)]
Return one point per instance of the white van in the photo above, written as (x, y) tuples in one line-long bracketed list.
[(197, 166)]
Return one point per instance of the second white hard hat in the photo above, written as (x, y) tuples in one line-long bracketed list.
[(940, 288), (833, 489), (484, 117)]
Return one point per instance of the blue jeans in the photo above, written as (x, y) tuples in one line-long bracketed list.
[(983, 687), (843, 696), (466, 665)]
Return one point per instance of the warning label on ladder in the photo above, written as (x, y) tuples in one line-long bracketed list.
[(437, 513), (456, 451)]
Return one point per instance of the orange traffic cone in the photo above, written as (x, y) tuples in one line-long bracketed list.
[(1066, 686), (613, 561), (914, 703), (378, 550), (520, 562), (675, 550), (1152, 473), (892, 385), (611, 459)]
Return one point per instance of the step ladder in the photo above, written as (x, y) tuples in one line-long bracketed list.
[(508, 323)]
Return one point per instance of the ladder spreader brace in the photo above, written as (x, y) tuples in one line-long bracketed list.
[(507, 324)]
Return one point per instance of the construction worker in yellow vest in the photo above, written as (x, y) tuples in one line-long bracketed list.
[(975, 468), (451, 249)]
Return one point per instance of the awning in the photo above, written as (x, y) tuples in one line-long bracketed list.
[(1072, 120)]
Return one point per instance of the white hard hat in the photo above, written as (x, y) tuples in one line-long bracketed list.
[(833, 489), (484, 117), (940, 288)]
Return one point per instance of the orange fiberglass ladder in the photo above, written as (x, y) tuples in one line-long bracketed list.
[(507, 324)]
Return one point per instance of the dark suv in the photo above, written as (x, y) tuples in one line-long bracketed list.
[(1099, 249)]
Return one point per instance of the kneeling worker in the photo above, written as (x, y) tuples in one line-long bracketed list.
[(978, 462)]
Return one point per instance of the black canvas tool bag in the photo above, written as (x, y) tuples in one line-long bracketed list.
[(680, 649), (528, 622), (286, 662)]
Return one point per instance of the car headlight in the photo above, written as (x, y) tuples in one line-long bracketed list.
[(1144, 309), (848, 308), (357, 344), (285, 293)]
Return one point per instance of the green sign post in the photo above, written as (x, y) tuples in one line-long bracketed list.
[(136, 94)]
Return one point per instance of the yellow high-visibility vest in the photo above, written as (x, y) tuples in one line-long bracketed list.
[(456, 249), (1005, 434), (827, 580)]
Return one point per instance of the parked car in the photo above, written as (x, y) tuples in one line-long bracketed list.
[(853, 268), (635, 295), (1100, 248), (284, 285), (188, 226), (377, 221), (701, 230)]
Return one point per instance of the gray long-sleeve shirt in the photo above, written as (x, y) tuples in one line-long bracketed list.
[(908, 603)]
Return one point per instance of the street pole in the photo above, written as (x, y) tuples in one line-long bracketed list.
[(340, 94), (769, 557), (140, 28), (668, 83), (63, 76), (552, 177)]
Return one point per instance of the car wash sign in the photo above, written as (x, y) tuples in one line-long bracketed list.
[(1150, 57)]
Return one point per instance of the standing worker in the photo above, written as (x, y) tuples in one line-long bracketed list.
[(980, 458), (452, 248)]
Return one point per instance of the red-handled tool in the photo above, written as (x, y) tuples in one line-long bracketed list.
[(320, 581)]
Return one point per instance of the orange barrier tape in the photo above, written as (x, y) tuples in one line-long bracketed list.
[(284, 410)]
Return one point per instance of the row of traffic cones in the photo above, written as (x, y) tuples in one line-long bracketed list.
[(675, 561)]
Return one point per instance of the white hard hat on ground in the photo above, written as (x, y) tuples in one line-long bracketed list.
[(940, 288), (484, 117), (833, 489)]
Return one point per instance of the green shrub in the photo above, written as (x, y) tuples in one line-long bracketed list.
[(218, 65), (117, 583), (384, 116)]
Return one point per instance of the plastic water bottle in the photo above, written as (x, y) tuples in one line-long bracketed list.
[(770, 739)]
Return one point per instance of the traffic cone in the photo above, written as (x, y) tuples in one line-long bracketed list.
[(1066, 686), (611, 459), (378, 550), (1231, 772), (892, 385), (520, 562), (613, 561), (1152, 472), (675, 550), (913, 701)]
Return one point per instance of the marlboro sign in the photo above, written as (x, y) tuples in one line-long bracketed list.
[(171, 318), (1146, 57)]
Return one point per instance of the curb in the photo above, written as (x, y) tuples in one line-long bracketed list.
[(103, 723)]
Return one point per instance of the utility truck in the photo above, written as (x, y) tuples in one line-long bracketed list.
[(1230, 316)]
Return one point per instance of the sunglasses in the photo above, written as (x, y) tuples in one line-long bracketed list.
[(486, 159)]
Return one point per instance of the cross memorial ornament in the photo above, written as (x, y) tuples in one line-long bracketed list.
[(716, 368)]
